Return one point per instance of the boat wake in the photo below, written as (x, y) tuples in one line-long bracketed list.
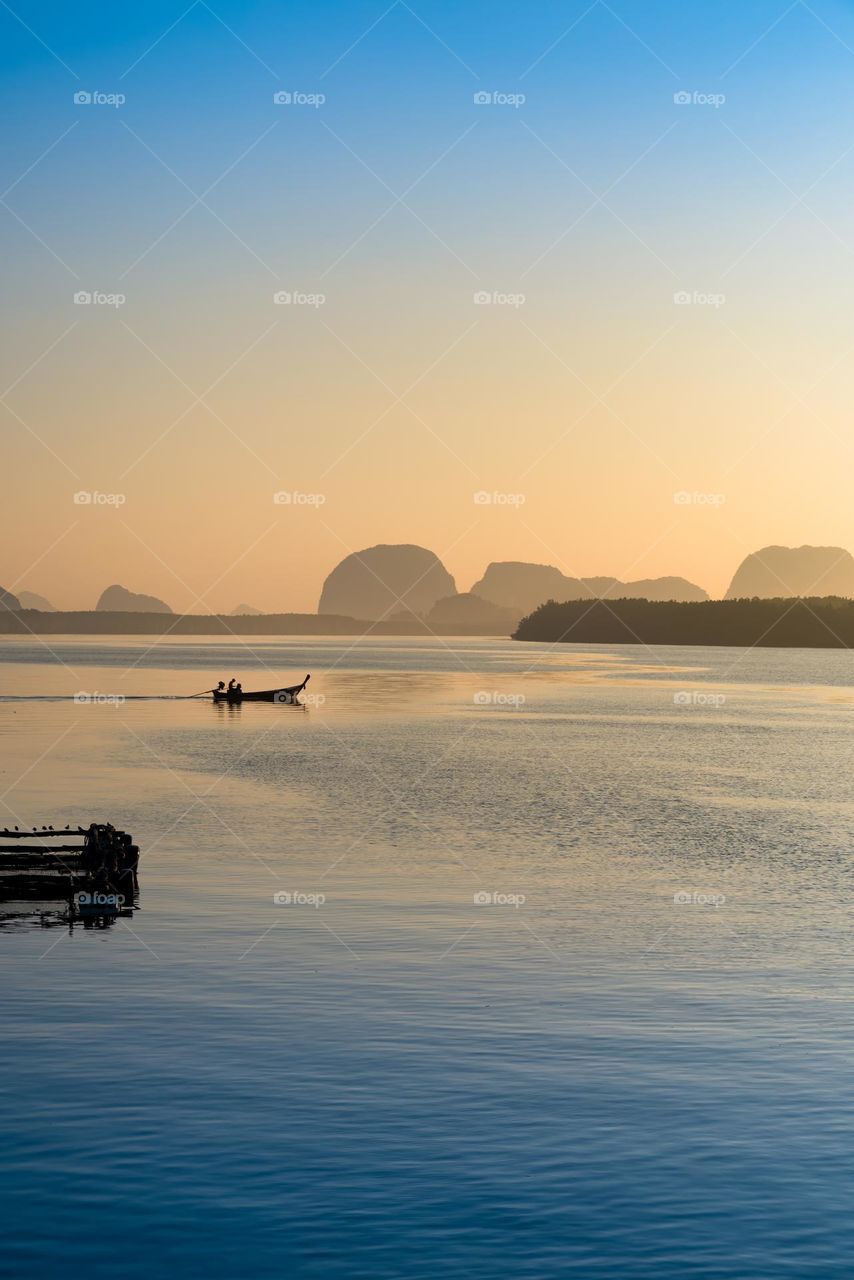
[(95, 698)]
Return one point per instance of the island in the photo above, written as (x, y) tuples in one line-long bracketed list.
[(812, 622)]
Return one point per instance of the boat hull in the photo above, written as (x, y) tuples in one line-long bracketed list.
[(281, 695), (263, 695)]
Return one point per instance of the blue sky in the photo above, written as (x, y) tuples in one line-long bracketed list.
[(598, 197)]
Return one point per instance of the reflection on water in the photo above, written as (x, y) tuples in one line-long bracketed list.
[(47, 912), (498, 960)]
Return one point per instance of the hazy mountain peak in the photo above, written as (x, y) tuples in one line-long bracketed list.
[(383, 580), (794, 571), (117, 599), (31, 600), (8, 600), (521, 586)]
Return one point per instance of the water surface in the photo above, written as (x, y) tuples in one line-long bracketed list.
[(558, 981)]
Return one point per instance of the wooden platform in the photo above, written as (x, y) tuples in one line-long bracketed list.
[(50, 863)]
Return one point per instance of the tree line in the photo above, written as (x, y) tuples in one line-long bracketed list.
[(816, 622)]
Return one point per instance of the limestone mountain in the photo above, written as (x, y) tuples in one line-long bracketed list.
[(518, 585), (118, 599), (383, 580), (794, 571), (31, 600), (468, 610)]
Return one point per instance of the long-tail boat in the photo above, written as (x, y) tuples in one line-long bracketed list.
[(288, 694)]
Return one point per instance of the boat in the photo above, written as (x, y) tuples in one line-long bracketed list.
[(284, 695)]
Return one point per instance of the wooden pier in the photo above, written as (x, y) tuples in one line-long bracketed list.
[(97, 861)]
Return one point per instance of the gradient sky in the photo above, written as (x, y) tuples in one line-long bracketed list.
[(598, 199)]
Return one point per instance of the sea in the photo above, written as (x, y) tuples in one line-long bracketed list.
[(489, 960)]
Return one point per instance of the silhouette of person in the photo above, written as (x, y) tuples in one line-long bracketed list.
[(231, 684)]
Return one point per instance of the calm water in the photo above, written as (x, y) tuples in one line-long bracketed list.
[(482, 1038)]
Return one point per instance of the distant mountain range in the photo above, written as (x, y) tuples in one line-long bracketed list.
[(380, 582), (521, 587), (407, 586)]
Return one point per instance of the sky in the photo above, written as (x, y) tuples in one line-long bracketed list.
[(559, 282)]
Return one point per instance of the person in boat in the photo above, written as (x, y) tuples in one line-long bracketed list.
[(220, 687), (232, 682), (238, 689)]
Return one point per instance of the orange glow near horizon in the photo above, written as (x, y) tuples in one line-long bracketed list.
[(595, 300)]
